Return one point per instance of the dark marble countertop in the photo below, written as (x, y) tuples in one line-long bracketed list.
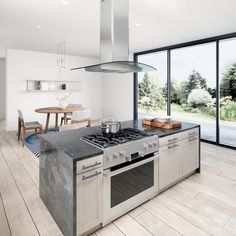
[(70, 141)]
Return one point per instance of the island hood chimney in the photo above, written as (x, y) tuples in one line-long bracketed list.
[(114, 40)]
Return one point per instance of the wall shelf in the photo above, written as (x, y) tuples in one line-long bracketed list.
[(52, 86)]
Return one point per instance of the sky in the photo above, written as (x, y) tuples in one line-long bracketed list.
[(202, 58)]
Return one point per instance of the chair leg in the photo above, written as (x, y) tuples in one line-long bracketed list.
[(19, 131), (62, 119), (23, 137)]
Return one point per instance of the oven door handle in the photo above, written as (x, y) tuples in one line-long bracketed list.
[(109, 173)]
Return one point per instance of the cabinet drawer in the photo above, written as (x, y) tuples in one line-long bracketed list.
[(170, 169), (169, 139), (190, 133), (89, 200), (89, 164), (190, 154)]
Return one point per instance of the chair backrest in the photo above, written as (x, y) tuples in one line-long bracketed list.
[(21, 118), (82, 117), (69, 127)]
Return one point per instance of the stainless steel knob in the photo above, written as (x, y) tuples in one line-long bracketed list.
[(122, 154), (155, 143), (115, 155), (150, 145), (141, 154), (145, 145)]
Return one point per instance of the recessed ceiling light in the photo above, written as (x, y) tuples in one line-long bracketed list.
[(38, 26), (137, 24), (64, 2)]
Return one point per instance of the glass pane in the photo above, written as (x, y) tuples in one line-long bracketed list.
[(228, 91), (193, 87), (152, 91), (131, 182)]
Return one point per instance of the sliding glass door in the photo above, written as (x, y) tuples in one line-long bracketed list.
[(193, 87), (152, 86), (227, 69), (194, 82)]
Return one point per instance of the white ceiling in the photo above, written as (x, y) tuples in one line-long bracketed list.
[(162, 23)]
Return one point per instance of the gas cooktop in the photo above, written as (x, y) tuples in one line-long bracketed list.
[(125, 135)]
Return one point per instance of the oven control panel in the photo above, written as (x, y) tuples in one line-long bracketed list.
[(129, 151)]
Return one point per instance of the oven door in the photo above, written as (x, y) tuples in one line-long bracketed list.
[(129, 186)]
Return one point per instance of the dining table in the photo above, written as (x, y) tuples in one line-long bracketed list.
[(57, 111)]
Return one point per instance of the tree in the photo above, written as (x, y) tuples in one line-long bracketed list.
[(173, 92), (150, 95), (195, 81), (228, 82), (146, 86)]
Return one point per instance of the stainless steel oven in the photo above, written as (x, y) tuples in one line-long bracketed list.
[(129, 184)]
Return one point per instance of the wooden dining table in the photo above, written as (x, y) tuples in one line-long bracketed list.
[(57, 111)]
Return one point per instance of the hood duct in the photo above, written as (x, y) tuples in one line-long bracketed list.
[(114, 40)]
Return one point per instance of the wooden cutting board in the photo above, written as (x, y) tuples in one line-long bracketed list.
[(173, 124)]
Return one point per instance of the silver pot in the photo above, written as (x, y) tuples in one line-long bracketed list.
[(111, 127)]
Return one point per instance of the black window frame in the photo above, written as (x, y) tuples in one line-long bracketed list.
[(215, 39)]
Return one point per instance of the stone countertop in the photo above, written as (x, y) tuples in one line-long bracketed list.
[(70, 141)]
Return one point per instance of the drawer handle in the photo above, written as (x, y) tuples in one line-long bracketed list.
[(191, 139), (172, 140), (93, 165), (91, 176), (173, 146)]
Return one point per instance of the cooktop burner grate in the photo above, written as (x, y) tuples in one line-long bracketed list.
[(125, 135)]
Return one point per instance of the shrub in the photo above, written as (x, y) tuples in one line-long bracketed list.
[(225, 100), (199, 97), (186, 107), (228, 112), (209, 111)]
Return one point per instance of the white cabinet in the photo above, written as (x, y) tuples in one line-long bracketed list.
[(89, 199), (179, 156), (169, 165), (190, 154)]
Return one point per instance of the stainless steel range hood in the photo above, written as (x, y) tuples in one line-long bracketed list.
[(114, 41)]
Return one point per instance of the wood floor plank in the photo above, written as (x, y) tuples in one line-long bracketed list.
[(181, 225), (43, 220), (4, 226), (20, 221), (231, 224), (137, 211), (109, 230), (155, 225), (130, 227), (207, 208), (196, 217)]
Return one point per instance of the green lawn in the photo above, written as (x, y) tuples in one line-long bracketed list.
[(178, 113)]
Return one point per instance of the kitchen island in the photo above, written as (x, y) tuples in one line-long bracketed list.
[(67, 163)]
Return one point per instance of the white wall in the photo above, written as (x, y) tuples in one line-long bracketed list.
[(23, 65), (118, 97), (2, 89)]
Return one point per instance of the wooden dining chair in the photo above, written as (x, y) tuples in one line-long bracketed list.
[(24, 126), (83, 118), (70, 114)]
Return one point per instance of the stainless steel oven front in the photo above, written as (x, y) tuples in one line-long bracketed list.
[(128, 185)]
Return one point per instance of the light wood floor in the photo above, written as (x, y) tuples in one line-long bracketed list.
[(204, 204)]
